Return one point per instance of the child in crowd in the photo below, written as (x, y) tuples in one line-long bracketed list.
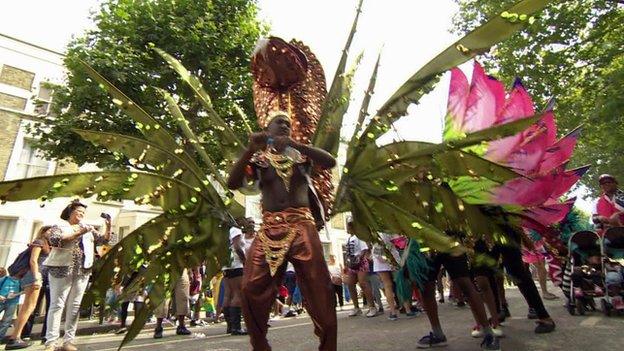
[(9, 298), (208, 305), (614, 280), (587, 279)]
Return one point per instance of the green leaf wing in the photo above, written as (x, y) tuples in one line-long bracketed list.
[(228, 139), (190, 136), (160, 250), (327, 135), (144, 188), (150, 128), (145, 155), (496, 29), (363, 113)]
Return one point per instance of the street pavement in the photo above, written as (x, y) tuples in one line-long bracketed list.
[(593, 332)]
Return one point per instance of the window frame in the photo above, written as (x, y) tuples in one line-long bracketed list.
[(30, 165), (22, 136), (39, 101), (6, 243)]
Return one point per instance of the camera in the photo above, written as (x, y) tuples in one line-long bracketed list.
[(105, 215)]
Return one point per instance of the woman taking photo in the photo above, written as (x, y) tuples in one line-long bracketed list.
[(30, 281), (69, 268)]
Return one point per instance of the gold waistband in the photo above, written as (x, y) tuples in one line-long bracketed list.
[(275, 250), (291, 215)]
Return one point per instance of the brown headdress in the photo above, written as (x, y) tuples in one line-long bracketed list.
[(288, 77)]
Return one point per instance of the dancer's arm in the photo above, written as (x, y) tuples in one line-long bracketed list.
[(257, 141), (318, 156)]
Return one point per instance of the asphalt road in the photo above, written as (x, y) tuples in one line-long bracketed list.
[(593, 332)]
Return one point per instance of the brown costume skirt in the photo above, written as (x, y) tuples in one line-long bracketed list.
[(288, 235)]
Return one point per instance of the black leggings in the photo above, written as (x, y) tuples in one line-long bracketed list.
[(123, 314), (338, 293), (515, 267), (512, 261)]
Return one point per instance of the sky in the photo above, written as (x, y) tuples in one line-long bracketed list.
[(408, 34), (50, 24)]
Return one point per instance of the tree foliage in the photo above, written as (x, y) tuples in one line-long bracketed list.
[(212, 38), (573, 52)]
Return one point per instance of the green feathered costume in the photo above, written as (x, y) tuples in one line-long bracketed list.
[(413, 269)]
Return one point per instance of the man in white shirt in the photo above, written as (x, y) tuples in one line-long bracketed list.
[(241, 238)]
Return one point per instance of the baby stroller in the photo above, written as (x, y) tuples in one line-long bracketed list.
[(587, 268), (613, 249)]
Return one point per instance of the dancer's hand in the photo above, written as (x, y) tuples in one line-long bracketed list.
[(281, 142), (257, 141)]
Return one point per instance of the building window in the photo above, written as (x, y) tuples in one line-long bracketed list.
[(16, 77), (12, 102), (30, 163), (7, 231), (44, 98)]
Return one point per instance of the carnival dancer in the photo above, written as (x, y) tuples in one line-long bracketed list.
[(483, 266), (512, 261), (457, 267), (288, 231), (412, 273)]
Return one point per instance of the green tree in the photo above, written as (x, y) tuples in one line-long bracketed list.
[(573, 52), (212, 38)]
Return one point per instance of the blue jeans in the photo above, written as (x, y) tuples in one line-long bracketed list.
[(7, 318)]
